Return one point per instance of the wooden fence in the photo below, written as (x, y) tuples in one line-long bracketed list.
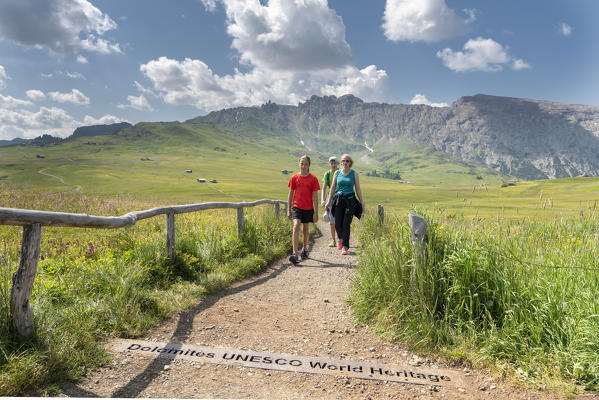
[(33, 220)]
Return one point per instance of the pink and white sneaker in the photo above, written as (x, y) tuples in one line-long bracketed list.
[(339, 244), (344, 251)]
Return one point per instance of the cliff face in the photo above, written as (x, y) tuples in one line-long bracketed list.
[(99, 130), (530, 139)]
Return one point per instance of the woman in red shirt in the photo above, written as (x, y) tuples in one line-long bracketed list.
[(302, 206)]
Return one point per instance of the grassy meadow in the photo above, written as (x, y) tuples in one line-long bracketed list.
[(93, 284), (518, 298), (509, 281)]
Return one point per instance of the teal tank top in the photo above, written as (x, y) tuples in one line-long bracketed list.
[(345, 183)]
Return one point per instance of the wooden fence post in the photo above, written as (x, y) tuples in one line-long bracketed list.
[(277, 209), (240, 222), (381, 214), (170, 235), (22, 282), (418, 230)]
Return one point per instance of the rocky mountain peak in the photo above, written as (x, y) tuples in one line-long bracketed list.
[(347, 100), (530, 139)]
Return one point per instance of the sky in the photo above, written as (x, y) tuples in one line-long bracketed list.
[(70, 63)]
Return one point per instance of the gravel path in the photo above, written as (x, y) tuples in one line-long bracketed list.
[(298, 310), (42, 172)]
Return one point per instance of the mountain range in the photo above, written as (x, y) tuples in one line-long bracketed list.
[(46, 140), (528, 139)]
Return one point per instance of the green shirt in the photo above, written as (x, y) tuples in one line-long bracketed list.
[(328, 178)]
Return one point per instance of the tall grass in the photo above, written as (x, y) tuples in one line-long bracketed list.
[(520, 297), (94, 283)]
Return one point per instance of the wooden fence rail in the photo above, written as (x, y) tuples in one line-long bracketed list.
[(33, 220)]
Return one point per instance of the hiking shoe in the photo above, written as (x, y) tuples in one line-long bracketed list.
[(293, 258), (339, 244), (332, 244), (304, 254), (344, 251)]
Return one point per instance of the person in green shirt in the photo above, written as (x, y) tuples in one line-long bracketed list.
[(327, 181)]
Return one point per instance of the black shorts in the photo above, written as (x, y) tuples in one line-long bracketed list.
[(305, 216)]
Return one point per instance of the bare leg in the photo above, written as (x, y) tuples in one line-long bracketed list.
[(296, 233), (333, 232), (306, 235)]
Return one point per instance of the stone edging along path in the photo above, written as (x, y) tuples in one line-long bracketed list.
[(227, 346)]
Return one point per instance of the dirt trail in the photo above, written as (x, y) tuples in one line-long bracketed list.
[(298, 310), (42, 172)]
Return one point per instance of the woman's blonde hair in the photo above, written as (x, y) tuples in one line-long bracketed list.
[(351, 162)]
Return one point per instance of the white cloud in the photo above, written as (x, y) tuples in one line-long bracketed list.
[(144, 90), (210, 5), (28, 124), (480, 55), (63, 26), (368, 83), (421, 99), (422, 20), (74, 75), (565, 29), (298, 35), (292, 48), (16, 120), (82, 60), (36, 95), (192, 82), (75, 97), (471, 13), (3, 76), (54, 121), (11, 102), (45, 118), (138, 103), (520, 64), (99, 45), (104, 120)]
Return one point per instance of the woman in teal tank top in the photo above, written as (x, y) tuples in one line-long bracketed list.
[(346, 185)]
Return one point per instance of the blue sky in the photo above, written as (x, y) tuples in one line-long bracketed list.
[(67, 63)]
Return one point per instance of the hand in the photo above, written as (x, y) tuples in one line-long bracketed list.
[(289, 215), (315, 217), (327, 205), (322, 203)]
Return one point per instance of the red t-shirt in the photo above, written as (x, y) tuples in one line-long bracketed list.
[(303, 187)]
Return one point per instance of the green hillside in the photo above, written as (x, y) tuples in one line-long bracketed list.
[(248, 167), (151, 159)]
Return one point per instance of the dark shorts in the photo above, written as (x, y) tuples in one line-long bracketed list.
[(305, 216)]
